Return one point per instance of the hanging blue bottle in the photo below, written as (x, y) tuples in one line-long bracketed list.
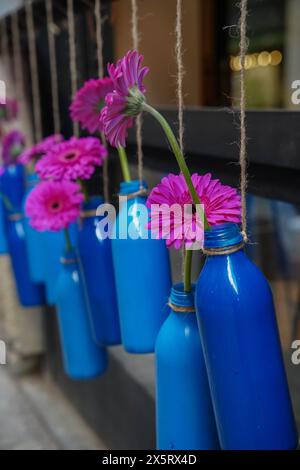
[(54, 243), (3, 236), (96, 261), (142, 273), (242, 348), (83, 358), (30, 294), (34, 240), (13, 188), (184, 413)]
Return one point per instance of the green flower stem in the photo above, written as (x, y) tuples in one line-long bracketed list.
[(178, 154), (124, 163), (67, 240), (8, 205), (84, 190), (103, 139), (188, 258)]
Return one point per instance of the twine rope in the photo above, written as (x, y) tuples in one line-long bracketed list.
[(99, 38), (53, 67), (243, 124), (179, 91), (18, 68), (34, 73), (72, 56), (223, 251), (88, 214), (15, 217), (135, 43), (141, 192), (99, 43), (180, 71), (176, 308)]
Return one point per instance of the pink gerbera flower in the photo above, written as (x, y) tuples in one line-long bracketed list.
[(34, 153), (220, 203), (12, 146), (89, 101), (53, 205), (72, 159), (124, 103)]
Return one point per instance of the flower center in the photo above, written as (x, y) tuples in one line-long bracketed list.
[(55, 206), (70, 156)]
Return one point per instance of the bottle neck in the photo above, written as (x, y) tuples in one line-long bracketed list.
[(132, 187), (223, 239), (181, 301)]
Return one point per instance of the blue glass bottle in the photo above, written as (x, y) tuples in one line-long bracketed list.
[(142, 273), (96, 261), (184, 413), (30, 294), (83, 359), (13, 187), (3, 237), (34, 240), (242, 348)]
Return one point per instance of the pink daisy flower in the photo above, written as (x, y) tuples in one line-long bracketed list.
[(12, 146), (221, 204), (124, 103), (34, 153), (72, 159), (53, 205), (88, 103)]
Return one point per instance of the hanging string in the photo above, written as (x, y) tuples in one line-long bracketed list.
[(53, 67), (99, 38), (135, 43), (72, 53), (180, 71), (180, 75), (34, 73), (99, 42), (243, 136), (17, 57)]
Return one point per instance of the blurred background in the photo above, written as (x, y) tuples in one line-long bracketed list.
[(119, 408)]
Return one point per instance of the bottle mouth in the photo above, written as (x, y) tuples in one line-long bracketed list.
[(129, 187), (223, 235), (180, 298), (93, 202)]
